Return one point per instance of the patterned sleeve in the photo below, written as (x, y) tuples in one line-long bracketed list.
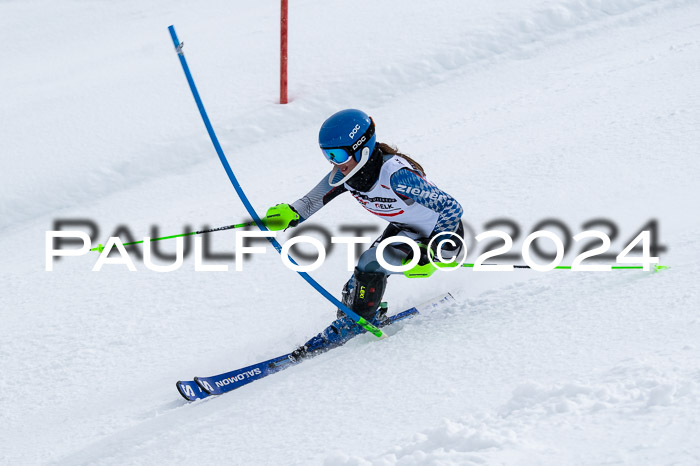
[(411, 186), (320, 195)]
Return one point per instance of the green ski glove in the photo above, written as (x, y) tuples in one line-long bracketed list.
[(423, 268), (281, 217)]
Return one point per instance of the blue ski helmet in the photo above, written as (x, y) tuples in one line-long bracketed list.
[(348, 133)]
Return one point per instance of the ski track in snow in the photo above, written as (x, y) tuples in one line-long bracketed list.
[(522, 430), (565, 422), (569, 108)]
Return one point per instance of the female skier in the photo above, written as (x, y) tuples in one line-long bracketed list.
[(386, 183)]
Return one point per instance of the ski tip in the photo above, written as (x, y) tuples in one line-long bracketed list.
[(185, 391), (190, 390), (204, 386), (446, 298)]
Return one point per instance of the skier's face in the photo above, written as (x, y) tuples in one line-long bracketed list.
[(347, 166)]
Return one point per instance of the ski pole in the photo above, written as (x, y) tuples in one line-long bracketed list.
[(101, 248), (568, 267), (424, 271)]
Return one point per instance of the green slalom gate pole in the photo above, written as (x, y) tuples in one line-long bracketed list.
[(101, 248)]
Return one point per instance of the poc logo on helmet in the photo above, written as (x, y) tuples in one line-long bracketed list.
[(359, 143), (354, 131)]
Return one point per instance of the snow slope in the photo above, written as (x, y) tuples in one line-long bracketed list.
[(572, 109)]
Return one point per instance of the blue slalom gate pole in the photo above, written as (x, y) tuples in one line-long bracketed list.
[(348, 312)]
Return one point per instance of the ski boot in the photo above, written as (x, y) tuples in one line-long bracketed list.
[(363, 294)]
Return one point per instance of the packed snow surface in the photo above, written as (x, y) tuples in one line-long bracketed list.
[(547, 109)]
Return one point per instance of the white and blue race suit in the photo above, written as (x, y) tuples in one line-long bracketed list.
[(401, 195)]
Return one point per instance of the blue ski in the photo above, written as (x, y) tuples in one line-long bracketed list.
[(203, 387), (190, 390), (226, 382)]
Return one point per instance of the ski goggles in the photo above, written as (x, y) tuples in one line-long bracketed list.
[(337, 155), (341, 155)]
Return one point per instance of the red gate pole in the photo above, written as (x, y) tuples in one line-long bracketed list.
[(283, 54)]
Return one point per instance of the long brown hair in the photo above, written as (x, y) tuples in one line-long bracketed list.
[(392, 150)]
